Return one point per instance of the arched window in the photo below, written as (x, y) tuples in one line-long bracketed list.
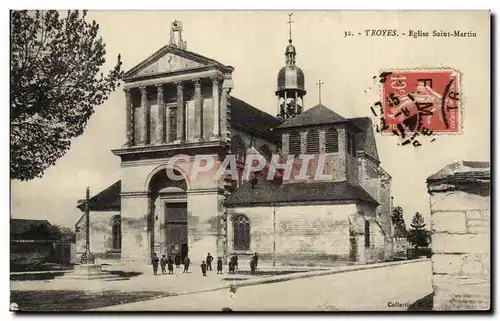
[(294, 143), (331, 140), (116, 233), (241, 228), (312, 146)]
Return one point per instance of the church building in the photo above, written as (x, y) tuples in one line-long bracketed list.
[(179, 102)]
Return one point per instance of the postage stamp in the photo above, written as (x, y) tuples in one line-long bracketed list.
[(424, 101)]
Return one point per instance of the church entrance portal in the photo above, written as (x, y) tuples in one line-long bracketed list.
[(176, 232)]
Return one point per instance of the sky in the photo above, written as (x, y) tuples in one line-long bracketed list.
[(254, 42)]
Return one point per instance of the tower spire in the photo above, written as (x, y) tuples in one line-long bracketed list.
[(290, 49), (290, 21)]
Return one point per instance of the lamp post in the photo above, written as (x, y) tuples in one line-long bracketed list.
[(87, 257)]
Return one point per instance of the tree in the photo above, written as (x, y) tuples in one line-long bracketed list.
[(56, 81), (398, 219), (418, 235)]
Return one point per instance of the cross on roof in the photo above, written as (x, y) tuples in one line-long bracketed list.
[(319, 89), (290, 21)]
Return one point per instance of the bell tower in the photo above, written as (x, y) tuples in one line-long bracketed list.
[(290, 91)]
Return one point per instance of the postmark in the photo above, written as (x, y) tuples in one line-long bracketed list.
[(421, 101)]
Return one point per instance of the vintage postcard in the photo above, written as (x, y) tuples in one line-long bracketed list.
[(250, 161)]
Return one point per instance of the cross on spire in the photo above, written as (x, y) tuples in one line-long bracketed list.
[(319, 84), (290, 21)]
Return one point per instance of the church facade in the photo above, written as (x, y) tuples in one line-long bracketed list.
[(179, 103)]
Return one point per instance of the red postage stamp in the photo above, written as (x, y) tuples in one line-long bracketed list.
[(423, 101)]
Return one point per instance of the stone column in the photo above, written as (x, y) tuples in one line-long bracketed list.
[(215, 105), (144, 122), (460, 221), (180, 112), (198, 110), (129, 119), (160, 129)]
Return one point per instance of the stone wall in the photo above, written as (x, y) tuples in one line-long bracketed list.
[(460, 221), (318, 234), (100, 237)]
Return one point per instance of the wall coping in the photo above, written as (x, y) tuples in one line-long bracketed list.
[(466, 176)]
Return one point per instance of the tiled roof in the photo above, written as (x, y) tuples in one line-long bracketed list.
[(251, 118), (30, 229), (319, 114), (107, 200), (268, 192)]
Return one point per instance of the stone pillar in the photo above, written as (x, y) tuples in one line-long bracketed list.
[(460, 221), (342, 153), (215, 105), (285, 145), (129, 119), (198, 110), (204, 215), (145, 114), (181, 131), (134, 225), (303, 142), (225, 108), (322, 141), (160, 129)]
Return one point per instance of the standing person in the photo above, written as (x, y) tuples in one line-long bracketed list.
[(231, 266), (163, 263), (219, 265), (204, 268), (209, 261), (256, 260), (170, 265), (236, 262), (186, 264), (177, 260), (155, 262), (252, 265)]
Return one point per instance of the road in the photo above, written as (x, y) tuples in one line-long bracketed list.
[(389, 288)]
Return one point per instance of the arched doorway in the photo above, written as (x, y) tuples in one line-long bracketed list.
[(168, 215)]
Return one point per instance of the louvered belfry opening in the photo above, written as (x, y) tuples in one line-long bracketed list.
[(294, 143), (312, 146), (331, 140)]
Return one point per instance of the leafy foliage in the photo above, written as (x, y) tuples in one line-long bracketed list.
[(398, 220), (418, 235), (55, 83)]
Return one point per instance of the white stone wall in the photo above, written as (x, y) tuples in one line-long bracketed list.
[(460, 224), (315, 233)]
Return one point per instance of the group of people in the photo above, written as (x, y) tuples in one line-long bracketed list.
[(167, 261), (206, 265)]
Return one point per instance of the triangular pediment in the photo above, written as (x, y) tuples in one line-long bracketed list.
[(170, 59)]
